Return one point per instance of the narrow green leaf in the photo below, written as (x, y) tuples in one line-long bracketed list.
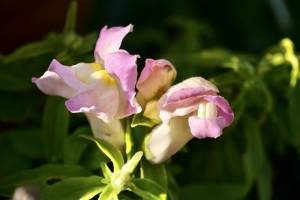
[(254, 158), (83, 188), (140, 120), (105, 170), (92, 157), (109, 193), (147, 189), (39, 176), (156, 173), (264, 183), (109, 150), (128, 141), (50, 45), (130, 165), (55, 127), (70, 24)]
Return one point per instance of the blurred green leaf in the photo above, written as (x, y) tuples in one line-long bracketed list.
[(294, 116), (156, 173), (39, 176), (109, 150), (51, 44), (213, 191), (55, 127), (74, 146), (83, 188), (92, 157), (255, 158), (140, 120), (27, 142), (264, 183), (147, 189), (108, 193), (70, 23), (17, 107)]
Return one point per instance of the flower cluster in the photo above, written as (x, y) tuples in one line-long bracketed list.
[(105, 91)]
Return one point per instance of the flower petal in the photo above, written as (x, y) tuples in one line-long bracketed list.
[(102, 101), (202, 128), (50, 83), (191, 87), (156, 78), (166, 139), (67, 74), (224, 109), (112, 131), (123, 66), (109, 41)]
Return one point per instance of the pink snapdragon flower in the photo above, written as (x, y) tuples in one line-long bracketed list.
[(155, 79), (104, 90), (189, 109)]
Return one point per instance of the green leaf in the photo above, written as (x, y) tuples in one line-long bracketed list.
[(39, 176), (131, 164), (74, 146), (55, 127), (294, 116), (140, 120), (92, 157), (50, 45), (254, 157), (22, 144), (156, 173), (70, 24), (147, 189), (109, 193), (109, 150), (83, 188), (128, 141), (213, 191), (105, 170), (264, 183), (14, 110)]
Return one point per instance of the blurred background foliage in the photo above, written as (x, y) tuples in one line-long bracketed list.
[(238, 45)]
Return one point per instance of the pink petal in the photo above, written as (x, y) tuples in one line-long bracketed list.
[(67, 74), (224, 109), (123, 66), (156, 77), (50, 83), (202, 128), (102, 101), (191, 87), (109, 41)]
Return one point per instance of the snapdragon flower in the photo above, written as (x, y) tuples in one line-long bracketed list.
[(189, 109), (156, 77), (103, 90)]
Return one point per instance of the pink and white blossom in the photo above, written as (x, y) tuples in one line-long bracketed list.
[(105, 89), (189, 109)]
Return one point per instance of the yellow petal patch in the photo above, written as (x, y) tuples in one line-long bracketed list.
[(104, 75), (97, 66)]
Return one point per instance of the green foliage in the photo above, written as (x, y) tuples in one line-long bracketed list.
[(51, 154), (74, 188), (39, 177), (55, 128)]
